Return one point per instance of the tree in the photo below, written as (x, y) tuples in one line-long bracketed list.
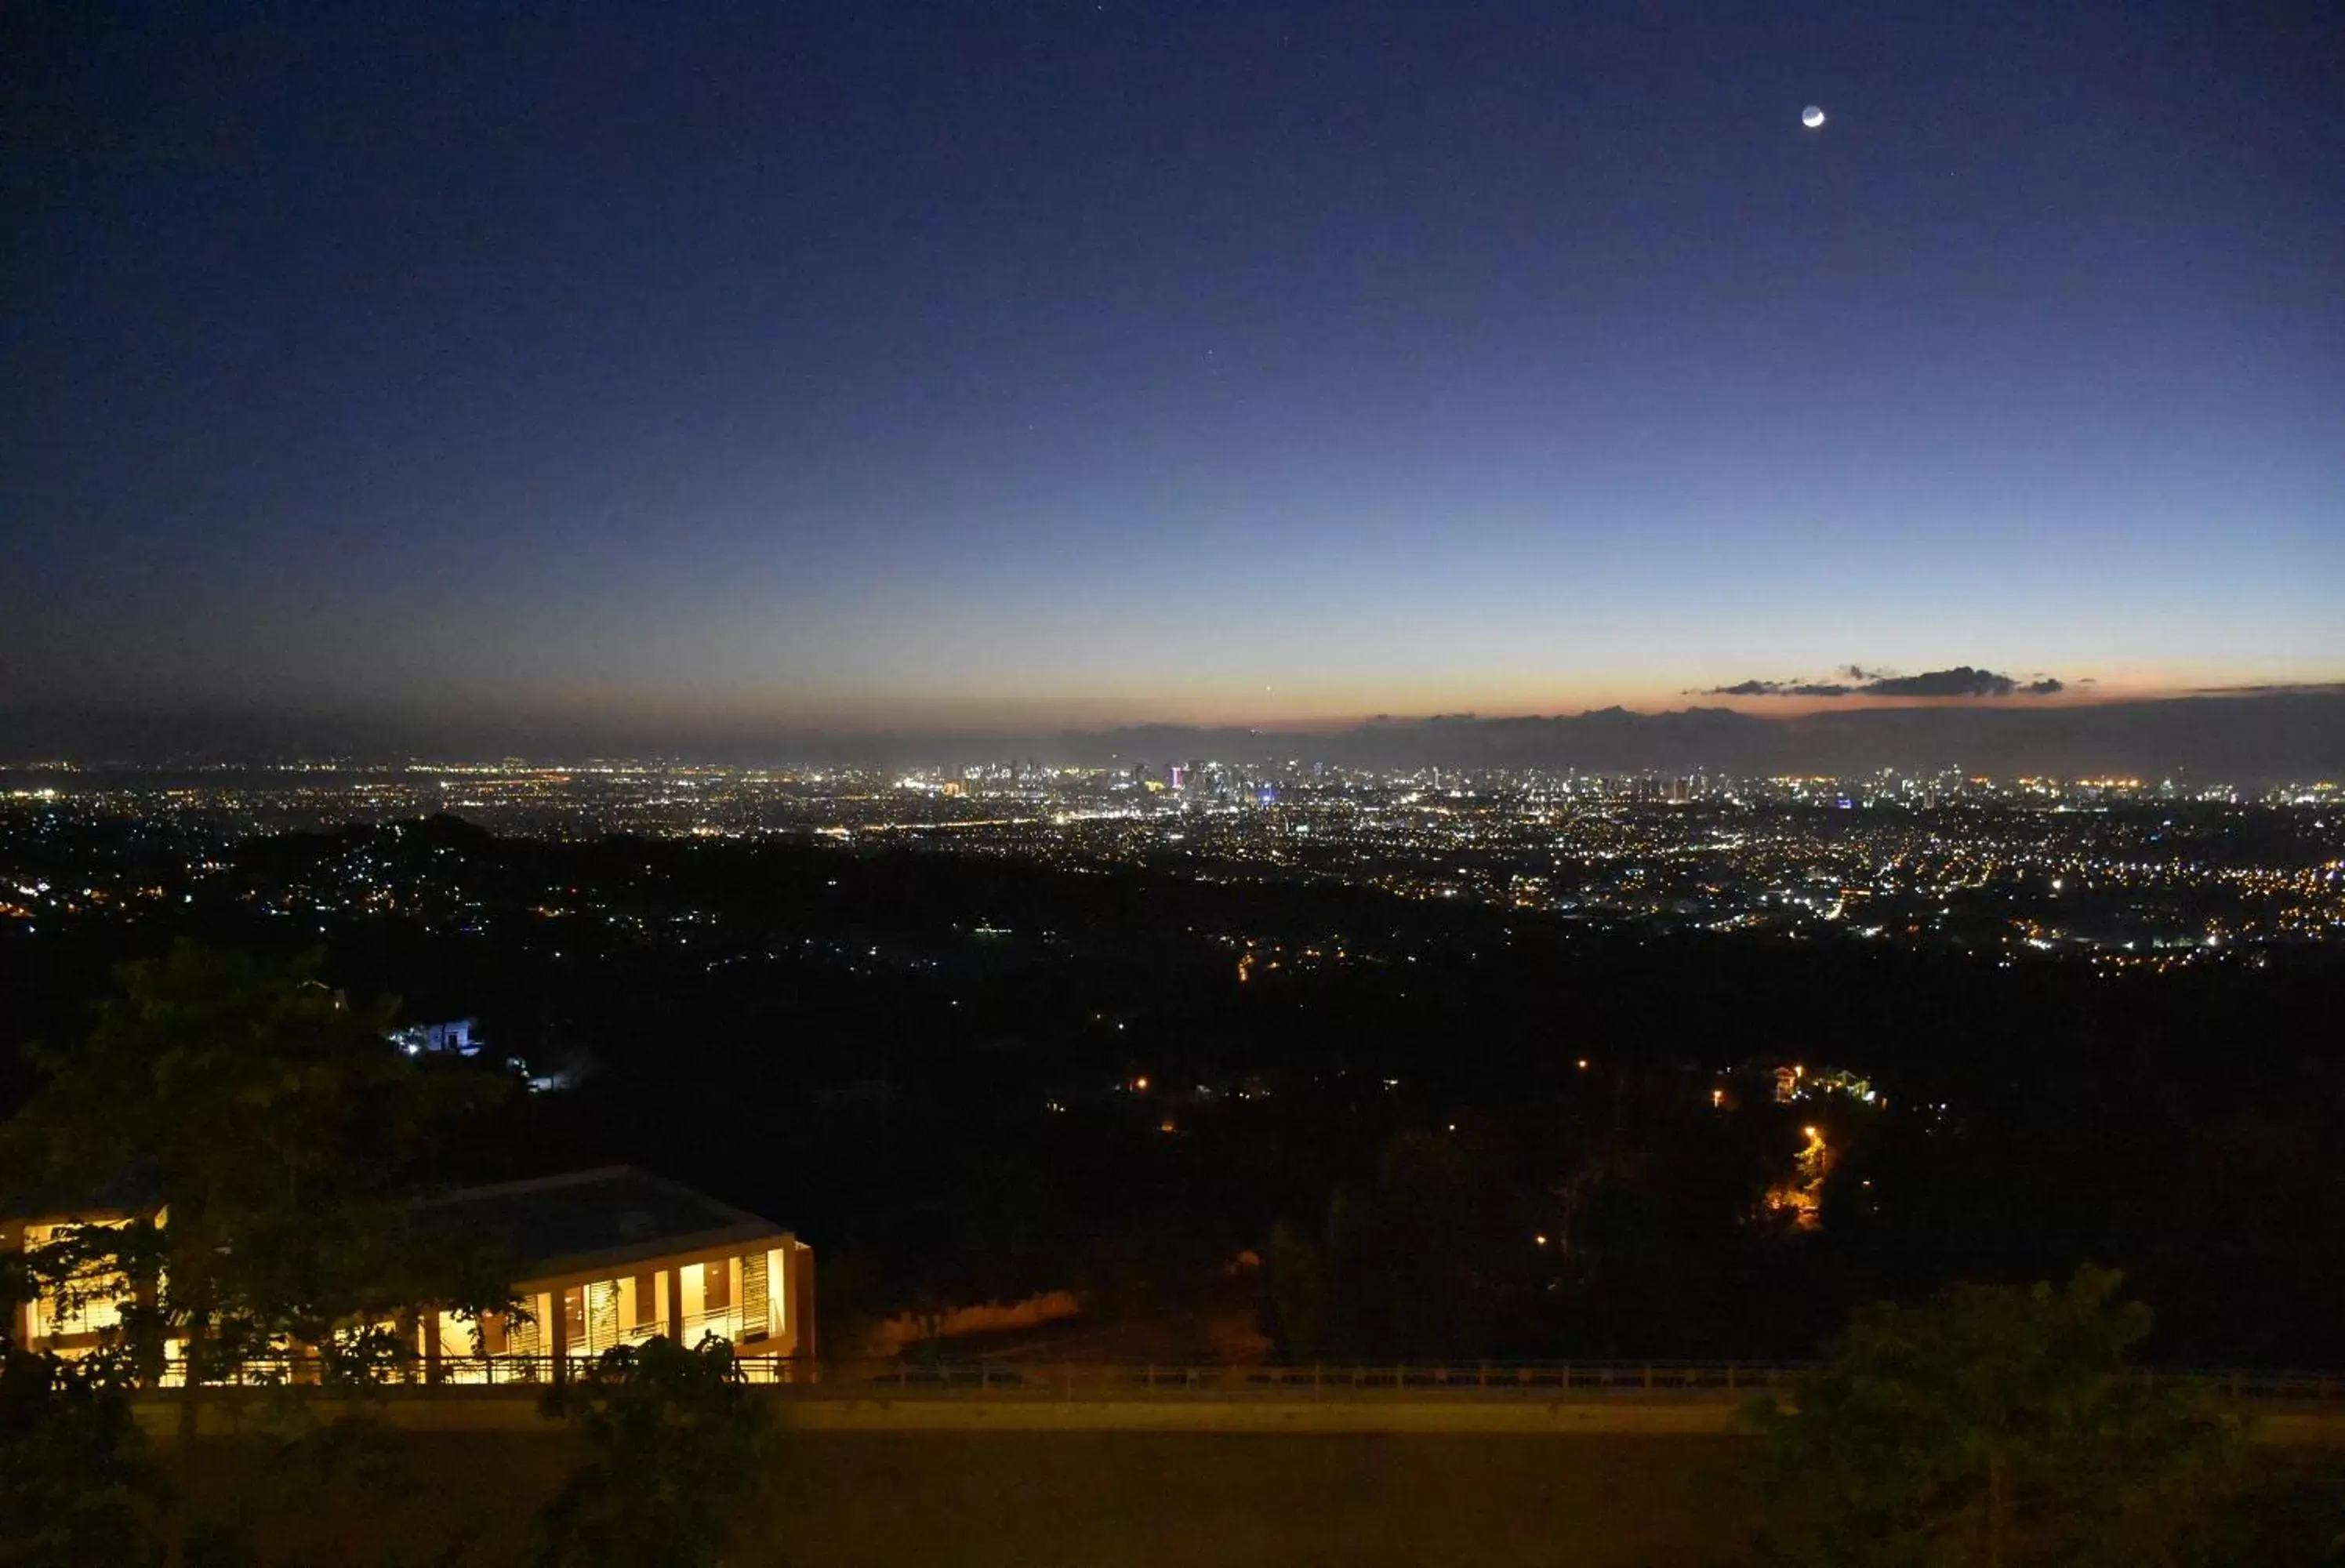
[(77, 1485), (263, 1139), (1995, 1426), (1436, 1260), (1294, 1280), (672, 1442)]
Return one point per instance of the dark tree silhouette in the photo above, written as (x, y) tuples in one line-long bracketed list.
[(672, 1442), (1995, 1425), (263, 1139)]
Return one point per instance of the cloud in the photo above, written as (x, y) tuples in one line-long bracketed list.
[(1962, 681), (1774, 689)]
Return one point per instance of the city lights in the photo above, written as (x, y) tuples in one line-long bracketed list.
[(2149, 876)]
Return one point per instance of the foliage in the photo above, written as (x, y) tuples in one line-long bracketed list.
[(1993, 1425), (1435, 1257), (672, 1443), (1294, 1280), (258, 1141), (76, 1485), (262, 1139)]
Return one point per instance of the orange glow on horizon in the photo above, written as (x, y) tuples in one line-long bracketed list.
[(1325, 710)]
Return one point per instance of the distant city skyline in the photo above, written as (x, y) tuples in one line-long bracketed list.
[(2252, 739), (1029, 367)]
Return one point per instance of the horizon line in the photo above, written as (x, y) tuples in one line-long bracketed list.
[(733, 716)]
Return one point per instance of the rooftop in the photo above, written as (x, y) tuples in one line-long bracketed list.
[(602, 1218)]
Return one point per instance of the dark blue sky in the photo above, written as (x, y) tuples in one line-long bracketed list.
[(889, 364)]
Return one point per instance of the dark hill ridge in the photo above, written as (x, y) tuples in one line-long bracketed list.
[(2295, 735), (2243, 738)]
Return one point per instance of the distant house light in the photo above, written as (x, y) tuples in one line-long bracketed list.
[(453, 1037)]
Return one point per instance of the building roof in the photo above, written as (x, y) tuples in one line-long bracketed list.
[(594, 1220), (132, 1194)]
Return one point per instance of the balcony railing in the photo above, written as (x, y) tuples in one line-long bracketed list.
[(1441, 1380)]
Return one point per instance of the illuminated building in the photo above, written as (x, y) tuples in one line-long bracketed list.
[(625, 1255), (604, 1258), (455, 1036)]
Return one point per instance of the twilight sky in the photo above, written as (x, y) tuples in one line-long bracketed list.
[(864, 365)]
